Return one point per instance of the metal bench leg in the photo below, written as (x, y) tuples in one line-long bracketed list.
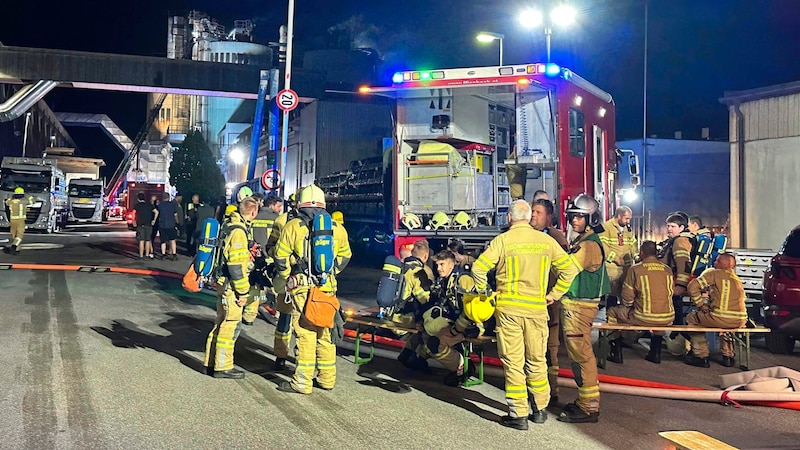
[(479, 350), (357, 359)]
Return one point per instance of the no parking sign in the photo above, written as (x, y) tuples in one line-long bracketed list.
[(271, 179)]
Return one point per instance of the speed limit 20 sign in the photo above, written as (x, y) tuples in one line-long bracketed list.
[(287, 99)]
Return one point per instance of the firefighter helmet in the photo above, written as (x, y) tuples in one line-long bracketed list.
[(479, 308), (676, 346), (433, 320), (230, 209), (243, 193), (439, 220), (587, 206), (311, 196), (338, 217), (411, 221), (463, 220), (19, 190)]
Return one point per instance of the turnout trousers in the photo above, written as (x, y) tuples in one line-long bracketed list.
[(700, 341), (222, 338), (283, 330), (440, 347), (315, 351), (17, 231), (553, 342), (522, 344), (576, 319)]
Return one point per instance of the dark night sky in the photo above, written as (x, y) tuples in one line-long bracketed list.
[(697, 49)]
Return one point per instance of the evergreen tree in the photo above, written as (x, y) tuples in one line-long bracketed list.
[(194, 170)]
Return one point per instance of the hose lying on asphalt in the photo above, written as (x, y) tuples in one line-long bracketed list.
[(630, 386)]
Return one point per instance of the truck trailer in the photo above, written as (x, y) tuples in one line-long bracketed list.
[(45, 190)]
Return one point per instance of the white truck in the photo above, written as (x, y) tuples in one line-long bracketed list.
[(45, 191), (86, 202)]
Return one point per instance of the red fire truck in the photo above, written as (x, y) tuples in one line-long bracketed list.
[(459, 135)]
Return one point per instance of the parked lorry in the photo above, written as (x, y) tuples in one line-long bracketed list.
[(86, 200), (45, 190), (462, 138)]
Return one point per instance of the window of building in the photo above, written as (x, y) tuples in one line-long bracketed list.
[(577, 134)]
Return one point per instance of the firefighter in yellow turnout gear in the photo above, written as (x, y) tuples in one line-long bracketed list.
[(646, 300), (579, 308), (283, 330), (232, 294), (417, 281), (677, 254), (725, 309), (619, 244), (315, 351), (523, 258), (261, 227), (16, 218)]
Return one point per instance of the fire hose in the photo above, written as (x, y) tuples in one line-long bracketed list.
[(643, 388)]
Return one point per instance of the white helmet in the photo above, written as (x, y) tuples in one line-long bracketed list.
[(587, 206), (411, 221)]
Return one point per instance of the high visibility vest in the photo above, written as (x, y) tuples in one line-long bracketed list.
[(16, 208)]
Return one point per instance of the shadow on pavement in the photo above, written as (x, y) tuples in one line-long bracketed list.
[(187, 334)]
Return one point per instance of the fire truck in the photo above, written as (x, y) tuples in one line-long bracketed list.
[(463, 136)]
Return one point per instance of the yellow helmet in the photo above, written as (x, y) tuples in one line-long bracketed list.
[(243, 193), (230, 209), (411, 221), (338, 217), (479, 308), (19, 190), (439, 220), (311, 197), (433, 321), (463, 220)]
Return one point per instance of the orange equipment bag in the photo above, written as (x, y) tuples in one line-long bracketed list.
[(191, 280), (321, 307)]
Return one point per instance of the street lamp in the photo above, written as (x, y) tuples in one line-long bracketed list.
[(485, 36), (236, 156), (562, 15)]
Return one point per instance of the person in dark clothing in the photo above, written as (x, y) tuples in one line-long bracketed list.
[(191, 223), (219, 213), (143, 221), (154, 201), (167, 226)]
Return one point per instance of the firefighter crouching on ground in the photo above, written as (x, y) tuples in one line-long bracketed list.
[(541, 220), (417, 281), (646, 300), (232, 291), (522, 257), (676, 253), (726, 309), (579, 308), (315, 351), (16, 218), (443, 323), (619, 244)]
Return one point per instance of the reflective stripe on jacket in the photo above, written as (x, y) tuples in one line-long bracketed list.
[(618, 244), (648, 289), (725, 291)]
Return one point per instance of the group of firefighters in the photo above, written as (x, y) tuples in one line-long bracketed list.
[(542, 285)]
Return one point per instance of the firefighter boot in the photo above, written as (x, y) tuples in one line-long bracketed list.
[(14, 250), (410, 360), (537, 415), (728, 361), (654, 355), (572, 413), (615, 351), (280, 364), (233, 374), (517, 423), (696, 361)]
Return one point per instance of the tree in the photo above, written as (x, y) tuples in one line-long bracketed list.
[(194, 170)]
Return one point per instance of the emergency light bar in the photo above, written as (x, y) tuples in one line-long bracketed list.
[(550, 70)]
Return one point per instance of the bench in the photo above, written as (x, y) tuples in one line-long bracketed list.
[(693, 440), (369, 324), (740, 335)]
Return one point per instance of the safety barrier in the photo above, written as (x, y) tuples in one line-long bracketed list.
[(473, 345), (740, 335)]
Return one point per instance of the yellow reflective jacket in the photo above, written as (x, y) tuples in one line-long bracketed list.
[(618, 244), (523, 258), (16, 208), (275, 233), (725, 292), (236, 255), (293, 245), (678, 257), (417, 281), (648, 289)]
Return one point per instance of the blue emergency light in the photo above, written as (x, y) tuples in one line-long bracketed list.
[(552, 70)]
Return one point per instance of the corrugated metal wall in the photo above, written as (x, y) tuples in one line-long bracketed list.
[(347, 131)]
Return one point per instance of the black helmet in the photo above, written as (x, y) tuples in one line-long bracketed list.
[(584, 205)]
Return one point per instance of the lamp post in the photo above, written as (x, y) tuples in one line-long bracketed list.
[(25, 133), (485, 36), (562, 15)]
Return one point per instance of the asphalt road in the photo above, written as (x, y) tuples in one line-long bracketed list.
[(103, 360)]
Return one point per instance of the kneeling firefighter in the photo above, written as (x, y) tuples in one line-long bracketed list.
[(311, 251), (444, 324)]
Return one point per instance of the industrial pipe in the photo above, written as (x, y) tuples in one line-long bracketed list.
[(24, 99)]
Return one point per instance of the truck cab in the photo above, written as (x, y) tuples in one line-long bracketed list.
[(45, 191), (86, 203)]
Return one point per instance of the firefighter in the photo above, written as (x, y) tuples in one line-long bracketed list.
[(697, 228), (232, 294), (315, 351), (443, 324), (726, 309), (676, 253), (619, 243), (16, 218), (261, 228), (464, 260), (283, 329), (579, 308), (646, 300), (522, 258), (541, 220), (417, 281)]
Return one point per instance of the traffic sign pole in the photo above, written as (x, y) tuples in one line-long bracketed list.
[(287, 85)]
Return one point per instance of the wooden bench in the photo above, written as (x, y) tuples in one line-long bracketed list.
[(740, 335), (369, 324), (693, 440)]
